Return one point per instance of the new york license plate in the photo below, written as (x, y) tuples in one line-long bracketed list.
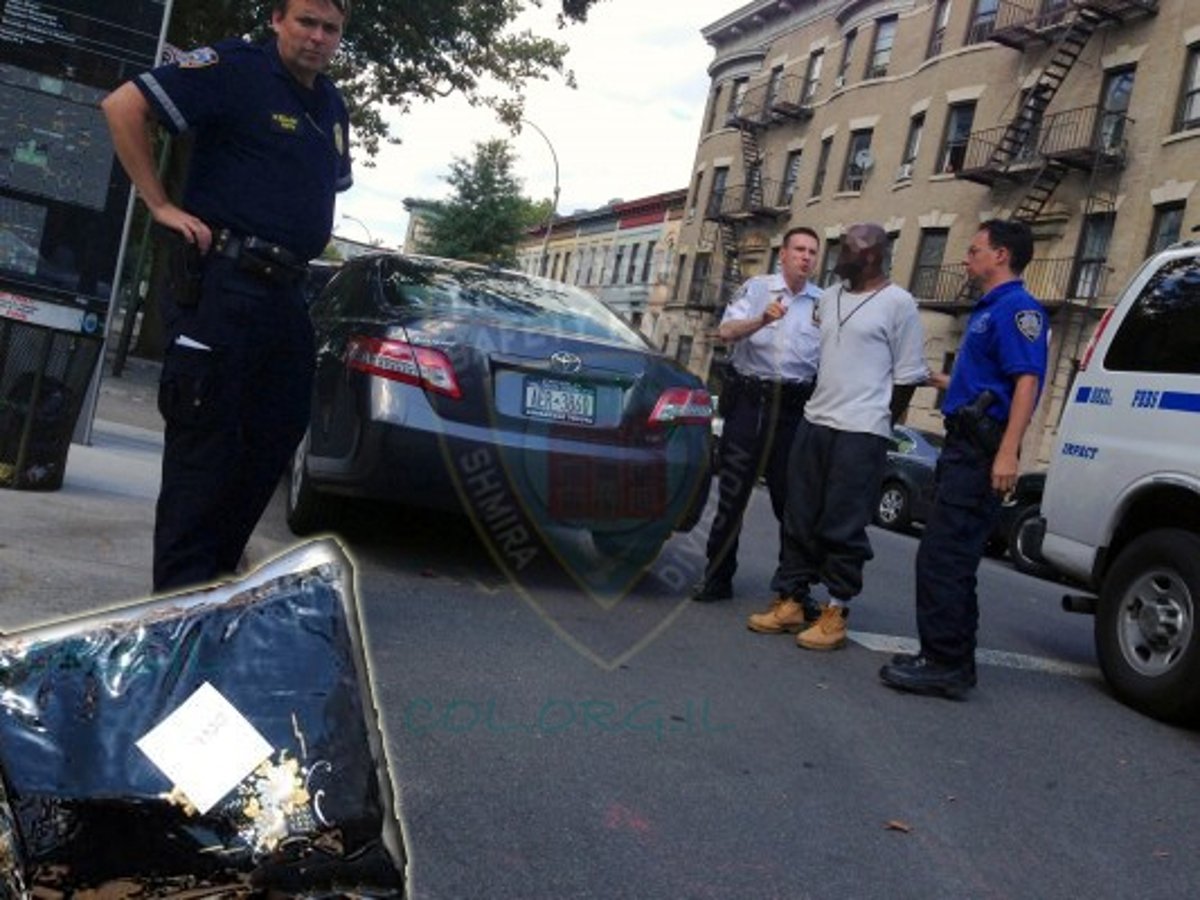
[(559, 401)]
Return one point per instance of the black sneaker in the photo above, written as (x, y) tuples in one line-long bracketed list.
[(918, 674), (712, 591), (908, 659)]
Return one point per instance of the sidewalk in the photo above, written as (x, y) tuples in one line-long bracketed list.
[(88, 545)]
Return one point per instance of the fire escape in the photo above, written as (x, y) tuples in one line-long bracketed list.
[(1038, 149), (733, 209)]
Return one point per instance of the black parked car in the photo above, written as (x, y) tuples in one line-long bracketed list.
[(907, 493), (1020, 525), (524, 402)]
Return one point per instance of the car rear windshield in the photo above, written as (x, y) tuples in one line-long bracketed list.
[(502, 297)]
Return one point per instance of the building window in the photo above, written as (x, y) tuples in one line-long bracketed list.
[(881, 50), (833, 250), (847, 55), (714, 103), (1189, 100), (772, 88), (983, 23), (716, 196), (1092, 264), (736, 95), (812, 76), (616, 269), (679, 276), (695, 199), (1168, 223), (566, 267), (889, 251), (633, 263), (822, 167), (683, 350), (958, 135), (773, 261), (791, 172), (937, 37), (1114, 108), (648, 263), (858, 161), (931, 251), (701, 268), (912, 146)]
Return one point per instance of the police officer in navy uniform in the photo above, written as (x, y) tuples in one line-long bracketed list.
[(774, 362), (990, 399), (271, 151)]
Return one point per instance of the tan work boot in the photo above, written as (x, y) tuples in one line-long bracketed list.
[(784, 616), (827, 633)]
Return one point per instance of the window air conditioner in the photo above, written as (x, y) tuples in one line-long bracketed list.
[(904, 172)]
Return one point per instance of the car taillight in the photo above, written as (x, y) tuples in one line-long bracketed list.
[(681, 406), (1091, 345), (401, 361)]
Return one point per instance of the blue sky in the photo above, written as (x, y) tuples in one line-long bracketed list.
[(628, 130)]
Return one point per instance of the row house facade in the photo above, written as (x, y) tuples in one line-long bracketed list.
[(1081, 117), (622, 253)]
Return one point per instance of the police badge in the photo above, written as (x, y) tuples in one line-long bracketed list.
[(1029, 323)]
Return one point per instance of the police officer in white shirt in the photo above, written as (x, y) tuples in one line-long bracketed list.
[(776, 344)]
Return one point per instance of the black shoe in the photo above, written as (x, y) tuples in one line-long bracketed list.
[(921, 675), (712, 591), (909, 659)]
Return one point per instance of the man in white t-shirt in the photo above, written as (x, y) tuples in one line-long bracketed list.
[(872, 359)]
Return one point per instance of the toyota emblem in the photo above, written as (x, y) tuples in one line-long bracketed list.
[(566, 363)]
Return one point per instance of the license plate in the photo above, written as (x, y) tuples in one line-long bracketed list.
[(559, 401)]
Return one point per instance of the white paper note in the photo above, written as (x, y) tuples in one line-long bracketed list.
[(206, 747)]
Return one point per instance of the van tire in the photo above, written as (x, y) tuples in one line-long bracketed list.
[(1147, 634)]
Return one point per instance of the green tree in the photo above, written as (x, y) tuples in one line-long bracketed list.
[(487, 215), (396, 52)]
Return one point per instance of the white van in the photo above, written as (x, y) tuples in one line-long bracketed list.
[(1122, 499)]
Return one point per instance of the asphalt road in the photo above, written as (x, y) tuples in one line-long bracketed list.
[(561, 736)]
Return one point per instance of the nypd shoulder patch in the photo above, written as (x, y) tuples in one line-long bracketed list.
[(1029, 323), (199, 58)]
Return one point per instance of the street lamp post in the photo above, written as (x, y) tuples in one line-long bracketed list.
[(553, 202), (360, 222)]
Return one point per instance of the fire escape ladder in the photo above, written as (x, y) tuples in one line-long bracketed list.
[(1048, 178), (729, 250), (1067, 50)]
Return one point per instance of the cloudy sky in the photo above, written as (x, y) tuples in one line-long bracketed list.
[(627, 131)]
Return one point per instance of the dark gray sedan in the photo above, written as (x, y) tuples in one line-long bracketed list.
[(523, 402)]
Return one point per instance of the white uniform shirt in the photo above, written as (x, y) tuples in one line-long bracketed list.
[(787, 348), (869, 341)]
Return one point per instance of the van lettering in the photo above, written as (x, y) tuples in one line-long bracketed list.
[(1080, 450)]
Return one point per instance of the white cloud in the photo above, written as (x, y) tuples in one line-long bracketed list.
[(628, 130)]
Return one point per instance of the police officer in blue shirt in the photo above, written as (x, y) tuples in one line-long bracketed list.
[(990, 399), (776, 344), (271, 151)]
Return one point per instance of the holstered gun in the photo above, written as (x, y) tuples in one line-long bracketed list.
[(980, 428)]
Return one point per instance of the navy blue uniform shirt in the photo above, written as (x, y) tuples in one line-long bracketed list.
[(270, 154), (1006, 337)]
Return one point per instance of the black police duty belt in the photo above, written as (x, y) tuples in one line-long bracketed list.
[(766, 389), (258, 257)]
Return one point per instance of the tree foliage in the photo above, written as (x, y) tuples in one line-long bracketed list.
[(397, 52), (487, 215)]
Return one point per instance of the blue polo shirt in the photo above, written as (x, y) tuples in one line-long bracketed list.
[(270, 154), (1007, 336)]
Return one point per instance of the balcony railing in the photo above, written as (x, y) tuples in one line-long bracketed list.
[(710, 294), (1083, 137), (750, 110), (1053, 281), (794, 98), (741, 201)]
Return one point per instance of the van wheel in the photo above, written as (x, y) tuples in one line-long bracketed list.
[(1146, 632), (307, 509), (894, 511), (1025, 541)]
